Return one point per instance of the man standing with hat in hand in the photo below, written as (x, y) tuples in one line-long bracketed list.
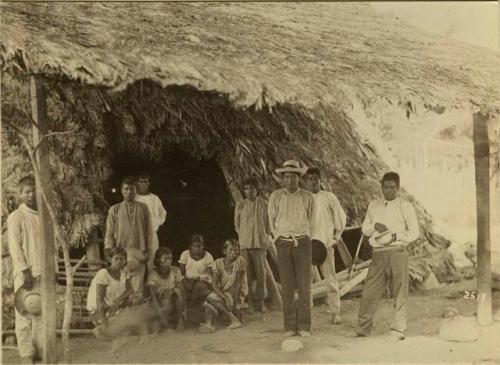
[(24, 232), (391, 223), (129, 226), (290, 211), (327, 224)]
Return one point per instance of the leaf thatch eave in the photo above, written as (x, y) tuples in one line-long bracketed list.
[(260, 54)]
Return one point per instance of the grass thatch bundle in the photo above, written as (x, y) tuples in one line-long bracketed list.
[(247, 84)]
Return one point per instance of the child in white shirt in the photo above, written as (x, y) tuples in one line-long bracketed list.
[(196, 266)]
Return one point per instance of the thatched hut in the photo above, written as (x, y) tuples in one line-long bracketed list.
[(205, 95)]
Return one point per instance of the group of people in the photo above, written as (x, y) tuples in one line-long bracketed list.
[(286, 226)]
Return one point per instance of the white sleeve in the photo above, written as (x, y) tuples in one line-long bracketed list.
[(368, 226), (412, 231), (161, 212), (184, 257), (15, 244)]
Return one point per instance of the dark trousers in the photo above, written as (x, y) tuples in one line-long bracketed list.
[(386, 266), (295, 273)]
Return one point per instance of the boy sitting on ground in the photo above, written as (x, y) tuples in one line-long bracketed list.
[(196, 265), (166, 289), (228, 288)]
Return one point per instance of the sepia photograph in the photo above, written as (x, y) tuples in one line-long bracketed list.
[(250, 182)]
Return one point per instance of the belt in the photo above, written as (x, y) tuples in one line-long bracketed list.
[(293, 239)]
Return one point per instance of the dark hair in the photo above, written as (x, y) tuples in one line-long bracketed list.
[(251, 181), (196, 238), (313, 171), (129, 180), (143, 176), (26, 180), (117, 251), (391, 176), (228, 243), (159, 253)]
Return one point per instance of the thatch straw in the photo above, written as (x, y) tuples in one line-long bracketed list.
[(257, 54), (152, 76)]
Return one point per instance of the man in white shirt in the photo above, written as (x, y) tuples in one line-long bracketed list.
[(327, 224), (158, 213), (391, 223), (24, 232)]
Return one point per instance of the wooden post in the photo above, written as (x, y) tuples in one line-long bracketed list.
[(482, 171), (47, 250)]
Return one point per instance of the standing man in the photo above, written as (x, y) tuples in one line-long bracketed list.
[(24, 232), (391, 223), (130, 227), (156, 210), (327, 224), (290, 211), (252, 226)]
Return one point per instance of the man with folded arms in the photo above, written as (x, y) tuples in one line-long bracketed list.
[(391, 223), (290, 212)]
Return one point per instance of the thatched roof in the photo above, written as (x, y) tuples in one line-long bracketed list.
[(256, 53), (144, 77)]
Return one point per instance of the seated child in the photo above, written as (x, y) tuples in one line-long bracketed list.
[(196, 266), (110, 289), (166, 289), (228, 288)]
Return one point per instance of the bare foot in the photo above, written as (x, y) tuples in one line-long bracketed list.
[(234, 324), (289, 334), (206, 328), (305, 334), (336, 319)]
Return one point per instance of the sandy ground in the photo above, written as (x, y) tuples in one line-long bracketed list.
[(260, 339)]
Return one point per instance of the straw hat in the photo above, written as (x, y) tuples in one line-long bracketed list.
[(291, 166), (28, 302), (318, 252)]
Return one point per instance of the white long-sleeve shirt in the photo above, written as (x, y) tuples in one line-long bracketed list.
[(158, 212), (397, 215), (328, 218), (24, 236)]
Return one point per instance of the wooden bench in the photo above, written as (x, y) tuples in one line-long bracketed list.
[(81, 283)]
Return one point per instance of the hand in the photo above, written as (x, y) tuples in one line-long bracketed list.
[(28, 279), (379, 227), (146, 256), (333, 241), (113, 308)]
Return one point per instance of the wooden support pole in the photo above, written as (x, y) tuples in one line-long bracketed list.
[(482, 171), (47, 249)]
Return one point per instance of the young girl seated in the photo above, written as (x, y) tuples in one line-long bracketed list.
[(196, 265), (110, 289), (166, 289), (228, 287)]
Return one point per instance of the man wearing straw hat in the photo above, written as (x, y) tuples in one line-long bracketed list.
[(290, 210), (129, 226), (391, 223), (327, 224), (24, 232)]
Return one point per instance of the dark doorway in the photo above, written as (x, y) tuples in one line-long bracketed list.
[(193, 192)]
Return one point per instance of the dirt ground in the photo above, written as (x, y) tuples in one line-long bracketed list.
[(260, 339)]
